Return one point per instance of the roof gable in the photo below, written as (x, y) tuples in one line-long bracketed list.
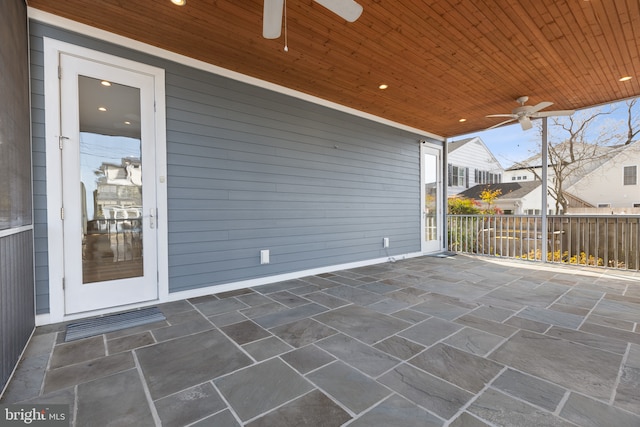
[(456, 145)]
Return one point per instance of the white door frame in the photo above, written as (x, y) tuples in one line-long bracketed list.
[(430, 247), (52, 50)]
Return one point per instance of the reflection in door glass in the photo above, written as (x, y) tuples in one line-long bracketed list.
[(431, 197), (111, 180)]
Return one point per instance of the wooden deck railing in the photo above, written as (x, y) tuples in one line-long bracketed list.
[(611, 241)]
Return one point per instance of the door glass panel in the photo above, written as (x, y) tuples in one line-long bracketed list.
[(111, 180), (431, 197)]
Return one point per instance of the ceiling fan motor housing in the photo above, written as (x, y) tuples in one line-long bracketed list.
[(523, 110)]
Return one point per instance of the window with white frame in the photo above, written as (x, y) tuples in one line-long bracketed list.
[(630, 175), (458, 176)]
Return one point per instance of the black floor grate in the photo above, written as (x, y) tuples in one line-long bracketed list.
[(114, 322)]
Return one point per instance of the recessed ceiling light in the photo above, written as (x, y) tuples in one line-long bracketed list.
[(462, 120), (383, 86), (179, 2), (127, 123), (102, 109), (625, 79), (105, 83)]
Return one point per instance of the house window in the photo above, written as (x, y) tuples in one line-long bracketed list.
[(604, 205), (636, 205), (630, 174), (485, 177), (513, 178), (458, 176)]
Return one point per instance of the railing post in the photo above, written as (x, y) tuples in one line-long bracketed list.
[(545, 165)]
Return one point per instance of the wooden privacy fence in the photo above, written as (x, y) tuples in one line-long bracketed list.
[(611, 241)]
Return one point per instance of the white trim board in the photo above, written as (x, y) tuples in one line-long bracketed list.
[(87, 30), (16, 230)]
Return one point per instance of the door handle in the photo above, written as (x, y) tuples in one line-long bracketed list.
[(152, 218)]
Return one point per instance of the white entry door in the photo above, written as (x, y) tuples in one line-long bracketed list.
[(431, 200), (108, 185)]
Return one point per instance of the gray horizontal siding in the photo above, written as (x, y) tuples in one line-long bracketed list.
[(39, 175), (314, 186), (250, 169), (17, 318)]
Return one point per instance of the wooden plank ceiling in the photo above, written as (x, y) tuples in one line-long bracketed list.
[(443, 60)]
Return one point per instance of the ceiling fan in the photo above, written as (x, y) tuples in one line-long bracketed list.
[(524, 113), (349, 10)]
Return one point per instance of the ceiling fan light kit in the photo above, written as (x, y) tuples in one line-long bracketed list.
[(524, 113)]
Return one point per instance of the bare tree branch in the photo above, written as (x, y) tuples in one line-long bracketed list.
[(631, 122)]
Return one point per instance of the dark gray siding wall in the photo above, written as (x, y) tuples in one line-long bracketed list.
[(250, 169), (17, 318), (39, 175)]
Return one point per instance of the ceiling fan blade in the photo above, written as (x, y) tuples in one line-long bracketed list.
[(272, 18), (554, 113), (525, 123), (349, 10), (500, 124), (513, 116), (540, 106)]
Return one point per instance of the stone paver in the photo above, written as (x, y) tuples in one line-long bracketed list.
[(531, 389), (189, 405), (117, 400), (174, 365), (463, 369), (348, 386), (436, 395), (457, 342), (504, 410), (542, 356), (261, 388)]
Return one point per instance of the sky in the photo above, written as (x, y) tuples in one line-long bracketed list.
[(510, 144)]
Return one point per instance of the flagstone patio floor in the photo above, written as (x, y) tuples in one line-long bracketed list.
[(457, 341)]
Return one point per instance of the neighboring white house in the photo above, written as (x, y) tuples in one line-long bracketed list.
[(531, 169), (609, 181), (614, 183), (470, 162), (527, 170)]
